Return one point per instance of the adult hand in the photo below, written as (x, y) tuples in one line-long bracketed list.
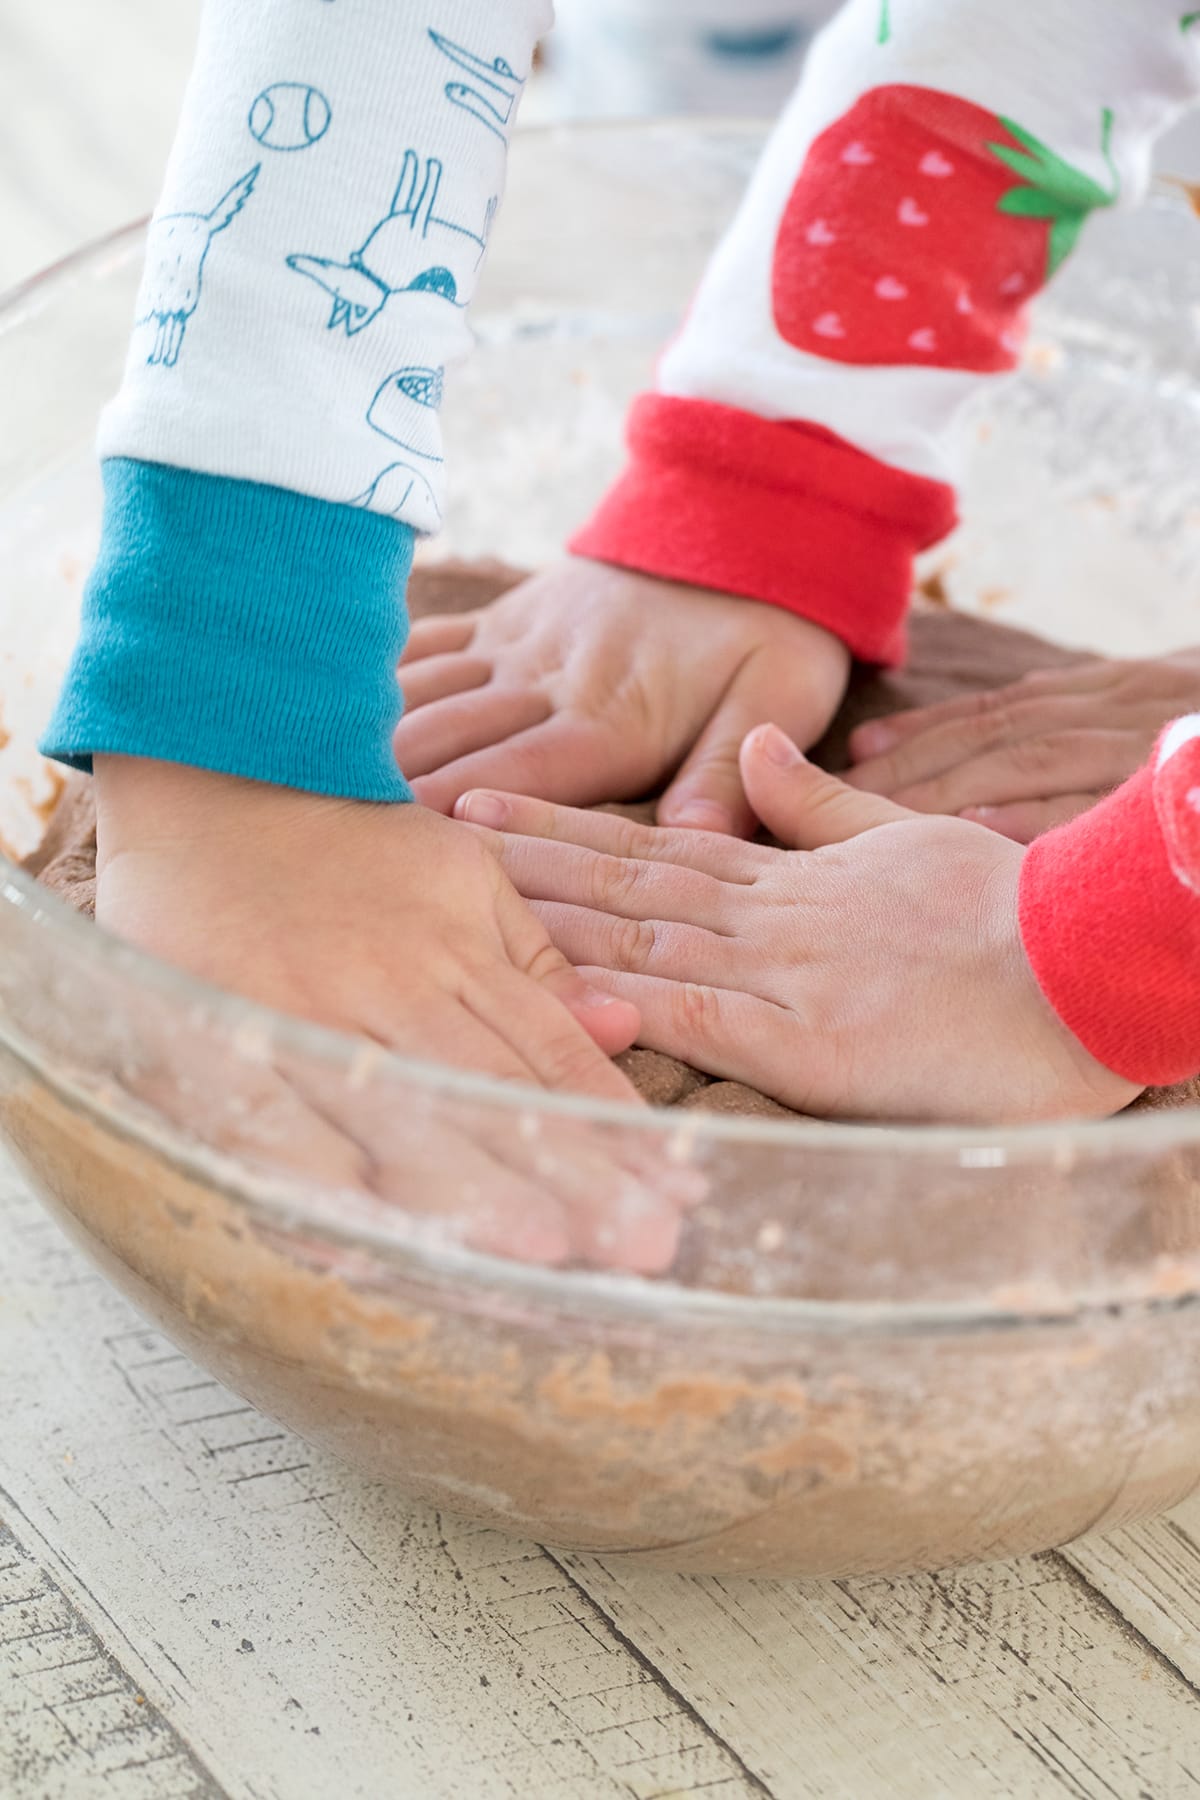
[(589, 683), (1023, 758)]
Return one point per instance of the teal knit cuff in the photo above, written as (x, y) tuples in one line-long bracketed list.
[(241, 628)]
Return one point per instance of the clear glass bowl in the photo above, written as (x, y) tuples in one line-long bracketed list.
[(879, 1348)]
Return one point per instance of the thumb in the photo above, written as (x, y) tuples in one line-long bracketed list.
[(707, 794), (802, 805)]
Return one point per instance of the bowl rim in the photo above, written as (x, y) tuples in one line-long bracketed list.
[(1060, 1143), (1150, 1132)]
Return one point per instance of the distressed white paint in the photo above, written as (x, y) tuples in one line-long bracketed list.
[(294, 1632)]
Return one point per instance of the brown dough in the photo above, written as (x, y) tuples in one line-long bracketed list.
[(951, 653)]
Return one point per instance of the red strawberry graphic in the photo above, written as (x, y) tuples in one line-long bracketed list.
[(918, 230)]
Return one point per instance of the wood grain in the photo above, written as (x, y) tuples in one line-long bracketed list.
[(296, 1632)]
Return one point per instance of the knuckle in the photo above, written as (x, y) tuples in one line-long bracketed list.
[(634, 942), (627, 838), (545, 961), (1036, 756), (616, 879), (699, 1010), (991, 720)]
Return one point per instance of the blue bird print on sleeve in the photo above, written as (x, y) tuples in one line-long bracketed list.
[(176, 250)]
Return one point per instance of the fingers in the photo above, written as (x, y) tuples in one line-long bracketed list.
[(565, 758), (990, 721), (611, 1024), (1033, 768), (1025, 820), (566, 1029), (542, 869), (878, 736), (715, 1029), (435, 1171), (802, 805), (438, 677), (707, 794), (726, 859), (443, 635), (524, 1011), (440, 734), (659, 947)]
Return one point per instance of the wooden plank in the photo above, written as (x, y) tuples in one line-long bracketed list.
[(1015, 1681), (304, 1632), (71, 1716), (1150, 1574)]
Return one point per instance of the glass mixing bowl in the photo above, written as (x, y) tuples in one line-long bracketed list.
[(878, 1348)]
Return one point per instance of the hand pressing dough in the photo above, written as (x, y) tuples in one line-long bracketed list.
[(951, 653), (731, 1450)]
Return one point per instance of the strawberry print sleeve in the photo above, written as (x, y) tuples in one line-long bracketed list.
[(1110, 918), (934, 169)]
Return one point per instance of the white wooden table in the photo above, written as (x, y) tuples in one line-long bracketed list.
[(195, 1605)]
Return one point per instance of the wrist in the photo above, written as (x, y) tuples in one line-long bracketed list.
[(143, 803), (1089, 1087), (826, 649), (776, 511)]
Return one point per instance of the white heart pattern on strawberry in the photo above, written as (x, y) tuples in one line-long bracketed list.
[(919, 227)]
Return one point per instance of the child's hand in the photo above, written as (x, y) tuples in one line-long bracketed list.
[(880, 976), (588, 683), (397, 925), (1023, 758)]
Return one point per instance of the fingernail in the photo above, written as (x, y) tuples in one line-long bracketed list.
[(873, 740), (596, 998), (778, 748), (482, 809), (978, 815), (702, 815)]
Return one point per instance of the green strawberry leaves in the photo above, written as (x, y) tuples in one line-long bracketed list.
[(1051, 189)]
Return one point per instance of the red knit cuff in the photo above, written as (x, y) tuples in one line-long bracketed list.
[(786, 513), (1110, 919)]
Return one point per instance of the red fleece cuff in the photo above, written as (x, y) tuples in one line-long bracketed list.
[(786, 513), (1110, 919)]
